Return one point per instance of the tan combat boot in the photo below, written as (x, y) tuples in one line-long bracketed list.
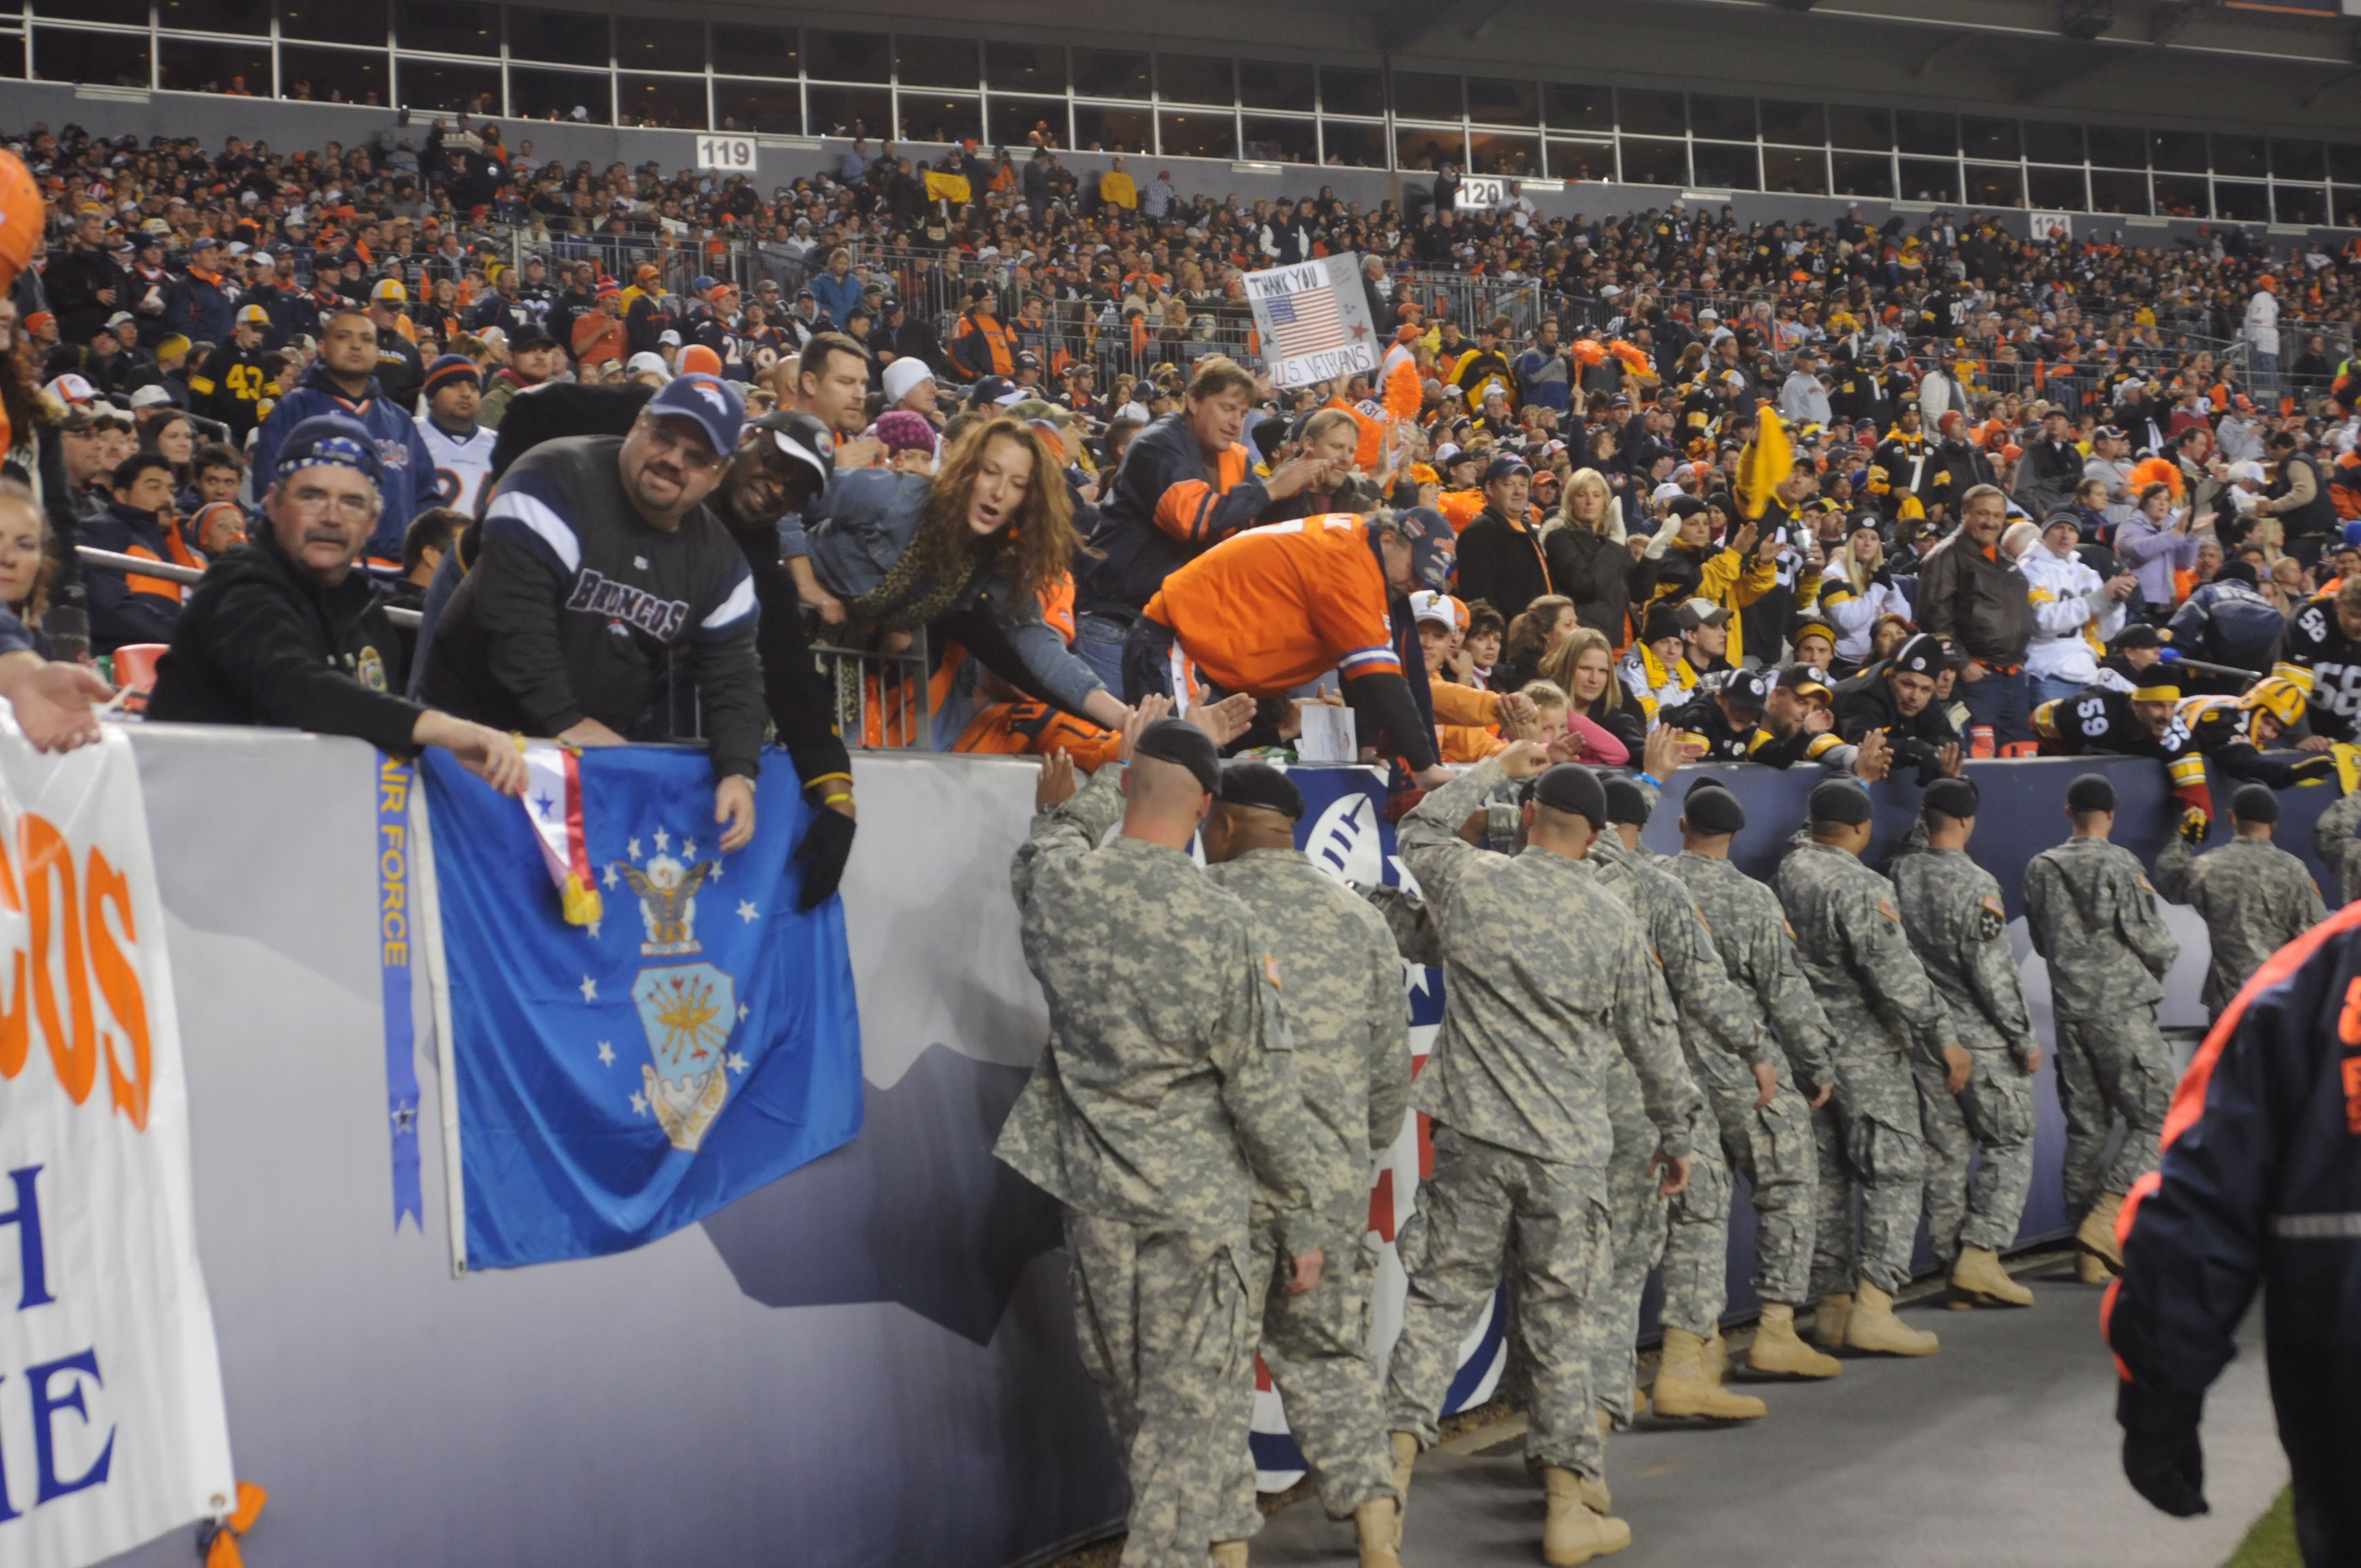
[(2089, 1270), (1776, 1348), (2096, 1234), (1594, 1496), (1575, 1532), (1828, 1321), (1378, 1525), (1684, 1390), (1979, 1280), (1717, 1359), (1874, 1326), (1405, 1458), (1227, 1554)]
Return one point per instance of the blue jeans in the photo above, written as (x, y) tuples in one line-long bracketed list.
[(2047, 690), (2000, 701), (1098, 642)]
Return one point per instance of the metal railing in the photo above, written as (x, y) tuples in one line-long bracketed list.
[(172, 572), (881, 700)]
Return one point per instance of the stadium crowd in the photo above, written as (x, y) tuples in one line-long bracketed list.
[(1870, 501)]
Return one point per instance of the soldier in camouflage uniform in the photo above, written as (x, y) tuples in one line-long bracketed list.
[(1880, 1008), (2093, 917), (1166, 1097), (1952, 912), (1547, 978), (1731, 1057), (1770, 1143), (1351, 1029), (2336, 840), (2255, 896)]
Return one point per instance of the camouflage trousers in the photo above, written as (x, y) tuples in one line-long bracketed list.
[(1774, 1148), (1689, 1235), (1994, 1113), (2111, 1067), (1163, 1322), (1482, 1203), (1316, 1349), (1869, 1141)]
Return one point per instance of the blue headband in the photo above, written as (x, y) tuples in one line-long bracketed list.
[(341, 450)]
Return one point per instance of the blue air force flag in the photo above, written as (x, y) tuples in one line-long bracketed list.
[(619, 1079)]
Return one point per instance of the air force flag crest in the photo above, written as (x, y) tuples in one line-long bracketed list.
[(627, 1062)]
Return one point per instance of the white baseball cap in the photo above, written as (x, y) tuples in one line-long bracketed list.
[(646, 361), (1428, 605), (149, 396)]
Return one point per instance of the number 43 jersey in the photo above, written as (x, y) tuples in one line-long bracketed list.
[(2316, 640)]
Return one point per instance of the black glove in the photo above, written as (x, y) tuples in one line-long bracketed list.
[(2162, 1457), (827, 845), (2319, 766)]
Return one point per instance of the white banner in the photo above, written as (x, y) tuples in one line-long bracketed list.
[(112, 1425), (1313, 320)]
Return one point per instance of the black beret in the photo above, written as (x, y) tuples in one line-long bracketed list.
[(1248, 782), (1955, 798), (1572, 788), (1839, 800), (2091, 792), (2255, 802), (1626, 802), (1181, 743), (1711, 808)]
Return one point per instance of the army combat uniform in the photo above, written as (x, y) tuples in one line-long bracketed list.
[(2336, 840), (1167, 1094), (1351, 1029), (1952, 912), (2093, 918), (1851, 947), (2255, 897), (1547, 978)]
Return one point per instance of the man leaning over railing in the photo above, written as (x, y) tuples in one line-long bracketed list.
[(283, 632)]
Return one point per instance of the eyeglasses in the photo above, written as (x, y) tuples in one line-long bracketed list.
[(348, 508), (697, 459)]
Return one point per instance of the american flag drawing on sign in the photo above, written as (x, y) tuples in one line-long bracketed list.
[(1306, 322)]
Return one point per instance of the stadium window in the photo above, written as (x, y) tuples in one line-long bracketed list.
[(1994, 140), (1996, 185), (673, 102), (1110, 74), (2344, 164), (2298, 160), (2056, 190), (1011, 122), (1866, 130), (1934, 135), (190, 65), (938, 116), (1722, 119), (1577, 108), (1273, 138), (2114, 147), (2118, 193), (250, 17), (447, 27), (1429, 146), (105, 60), (1098, 128), (1264, 85), (121, 13), (2345, 206), (1199, 133), (1797, 171), (536, 93), (775, 108), (445, 87), (1652, 163), (1650, 113), (2182, 152), (561, 37), (1929, 180), (755, 51), (332, 75), (2242, 202), (1862, 174), (847, 57), (2046, 141), (12, 55), (1581, 159), (921, 61), (643, 44), (848, 111), (1344, 90), (1499, 152), (1352, 144), (2306, 205), (1196, 79), (1798, 124), (2182, 196), (1419, 95), (333, 22), (1725, 166), (1019, 68), (2245, 157), (1495, 102)]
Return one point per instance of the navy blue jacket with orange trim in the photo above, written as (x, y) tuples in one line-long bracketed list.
[(2260, 1181), (1163, 514)]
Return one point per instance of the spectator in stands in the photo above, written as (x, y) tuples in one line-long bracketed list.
[(2159, 541), (137, 520), (1970, 590), (1587, 557), (26, 566), (345, 380), (533, 358), (400, 370), (981, 345), (1583, 667), (1501, 558), (84, 282), (284, 631)]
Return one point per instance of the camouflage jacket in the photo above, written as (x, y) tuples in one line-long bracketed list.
[(1715, 1014), (1952, 912), (1850, 946), (2336, 840), (2093, 917), (1758, 946), (2255, 897)]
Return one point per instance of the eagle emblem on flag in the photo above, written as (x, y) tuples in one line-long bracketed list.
[(687, 1010)]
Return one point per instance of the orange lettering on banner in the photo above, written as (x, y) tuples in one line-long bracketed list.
[(119, 983), (48, 861), (16, 1034)]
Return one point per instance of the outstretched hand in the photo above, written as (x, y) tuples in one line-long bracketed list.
[(1149, 710)]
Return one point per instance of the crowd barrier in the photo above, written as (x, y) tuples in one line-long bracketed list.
[(870, 1361)]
